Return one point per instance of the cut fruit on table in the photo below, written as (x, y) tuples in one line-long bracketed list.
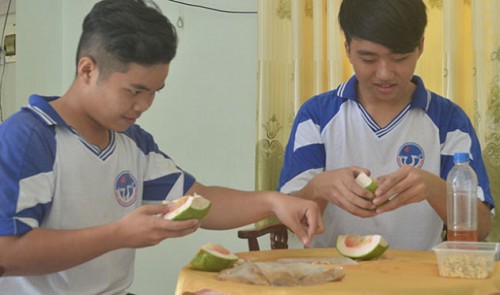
[(188, 207), (213, 257), (361, 247)]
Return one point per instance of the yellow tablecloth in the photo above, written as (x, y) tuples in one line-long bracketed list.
[(396, 272)]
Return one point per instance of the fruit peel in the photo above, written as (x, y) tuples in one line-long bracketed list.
[(213, 257), (188, 207), (367, 182), (361, 247), (370, 184)]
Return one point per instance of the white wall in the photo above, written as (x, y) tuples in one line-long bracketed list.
[(8, 89), (38, 49), (204, 118)]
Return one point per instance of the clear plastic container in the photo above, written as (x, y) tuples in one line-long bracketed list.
[(472, 260)]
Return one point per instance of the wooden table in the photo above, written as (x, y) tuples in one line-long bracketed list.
[(396, 272)]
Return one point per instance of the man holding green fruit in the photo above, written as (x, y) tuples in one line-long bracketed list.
[(385, 123)]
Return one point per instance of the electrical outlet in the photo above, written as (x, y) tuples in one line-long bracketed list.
[(10, 48), (9, 33)]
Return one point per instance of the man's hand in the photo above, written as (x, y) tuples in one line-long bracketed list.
[(42, 250), (340, 188), (408, 185), (145, 226), (301, 216)]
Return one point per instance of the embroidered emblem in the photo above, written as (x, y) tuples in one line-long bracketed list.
[(411, 154), (125, 189)]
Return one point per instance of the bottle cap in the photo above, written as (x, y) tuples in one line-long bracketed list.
[(461, 157)]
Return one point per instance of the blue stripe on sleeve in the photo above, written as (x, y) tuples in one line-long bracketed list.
[(319, 110), (449, 116), (155, 190), (27, 149)]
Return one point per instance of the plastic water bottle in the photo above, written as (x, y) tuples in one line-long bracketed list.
[(462, 200)]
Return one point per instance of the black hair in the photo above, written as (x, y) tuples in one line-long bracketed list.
[(118, 32), (396, 24)]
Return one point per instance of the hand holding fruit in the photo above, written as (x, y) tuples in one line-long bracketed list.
[(405, 186), (142, 227), (339, 187)]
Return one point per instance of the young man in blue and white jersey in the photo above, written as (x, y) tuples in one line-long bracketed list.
[(76, 169), (382, 121)]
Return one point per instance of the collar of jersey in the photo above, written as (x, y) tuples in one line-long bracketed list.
[(40, 106), (420, 99)]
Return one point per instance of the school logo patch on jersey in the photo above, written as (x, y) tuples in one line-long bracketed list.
[(125, 189), (411, 154)]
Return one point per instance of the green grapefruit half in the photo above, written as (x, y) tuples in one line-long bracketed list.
[(213, 257), (361, 247), (189, 207)]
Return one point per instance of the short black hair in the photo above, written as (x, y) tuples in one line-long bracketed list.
[(118, 32), (396, 24)]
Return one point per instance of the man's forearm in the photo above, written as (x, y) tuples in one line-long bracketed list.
[(42, 251)]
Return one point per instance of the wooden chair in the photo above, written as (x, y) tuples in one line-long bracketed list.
[(278, 236)]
